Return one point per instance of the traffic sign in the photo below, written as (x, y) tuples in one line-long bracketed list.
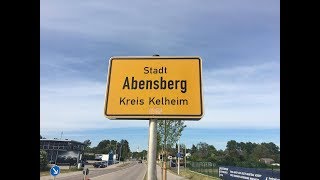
[(178, 155), (154, 87), (55, 170)]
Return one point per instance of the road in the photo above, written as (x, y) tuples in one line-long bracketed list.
[(135, 172), (132, 170)]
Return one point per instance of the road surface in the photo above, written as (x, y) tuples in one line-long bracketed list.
[(135, 172), (132, 170)]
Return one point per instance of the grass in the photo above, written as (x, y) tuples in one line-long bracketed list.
[(195, 176), (47, 172), (187, 174)]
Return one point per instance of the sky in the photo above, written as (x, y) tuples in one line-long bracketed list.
[(238, 42)]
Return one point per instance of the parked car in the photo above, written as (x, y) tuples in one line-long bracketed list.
[(51, 162), (140, 161), (101, 164)]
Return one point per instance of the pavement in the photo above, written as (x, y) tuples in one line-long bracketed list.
[(170, 176)]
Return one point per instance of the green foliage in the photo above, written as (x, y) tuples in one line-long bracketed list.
[(105, 146), (43, 160), (88, 156), (124, 149), (194, 149), (261, 151), (139, 155), (87, 143), (236, 154), (168, 133)]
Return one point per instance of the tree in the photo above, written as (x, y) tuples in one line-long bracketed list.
[(113, 145), (261, 151), (194, 149), (232, 145), (123, 150), (169, 132), (172, 129), (103, 147), (159, 144), (250, 146), (103, 144), (202, 150), (273, 148), (43, 160), (87, 143)]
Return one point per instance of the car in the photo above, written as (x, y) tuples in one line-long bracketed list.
[(101, 164), (140, 161), (51, 162)]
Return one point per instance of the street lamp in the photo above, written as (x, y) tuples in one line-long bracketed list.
[(120, 152)]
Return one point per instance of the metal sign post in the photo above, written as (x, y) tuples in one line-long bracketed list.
[(152, 149)]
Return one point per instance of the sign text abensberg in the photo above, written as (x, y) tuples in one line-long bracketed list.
[(161, 84)]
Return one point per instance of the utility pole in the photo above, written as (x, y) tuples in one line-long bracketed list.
[(120, 152), (178, 155), (185, 157)]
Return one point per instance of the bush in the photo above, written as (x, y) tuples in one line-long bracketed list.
[(88, 157), (43, 160)]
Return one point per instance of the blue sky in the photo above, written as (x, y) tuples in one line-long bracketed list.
[(238, 41)]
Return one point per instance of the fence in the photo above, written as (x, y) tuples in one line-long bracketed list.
[(207, 168), (212, 169)]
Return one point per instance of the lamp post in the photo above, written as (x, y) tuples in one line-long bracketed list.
[(185, 157), (120, 152)]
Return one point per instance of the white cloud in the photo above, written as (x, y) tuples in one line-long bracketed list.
[(229, 101), (76, 106), (152, 24), (242, 97)]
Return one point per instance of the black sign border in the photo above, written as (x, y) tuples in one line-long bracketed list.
[(151, 116)]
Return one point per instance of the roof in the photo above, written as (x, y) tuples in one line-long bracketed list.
[(61, 140)]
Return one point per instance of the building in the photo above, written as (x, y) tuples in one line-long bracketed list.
[(63, 151), (266, 160)]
